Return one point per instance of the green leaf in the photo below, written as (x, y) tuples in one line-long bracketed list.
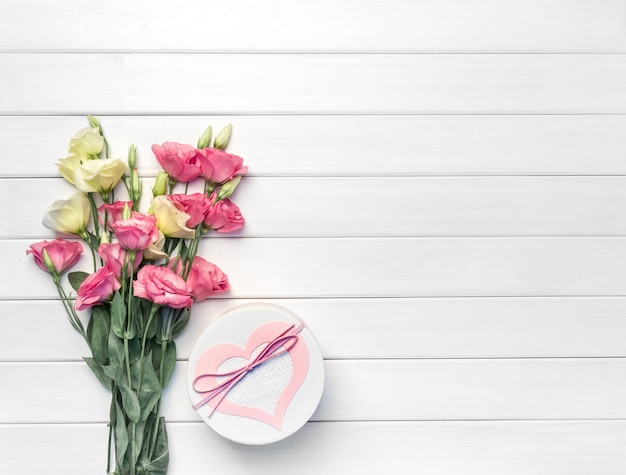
[(138, 316), (77, 278), (157, 465), (169, 361), (154, 324), (141, 314), (134, 350), (118, 315), (181, 323), (116, 373), (161, 452), (99, 372), (139, 438), (112, 411), (130, 334), (130, 402), (116, 350), (98, 334), (93, 241), (121, 435), (150, 391), (146, 450)]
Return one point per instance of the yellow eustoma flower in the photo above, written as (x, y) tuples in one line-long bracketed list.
[(155, 251), (69, 216), (67, 166), (87, 143), (170, 220), (99, 176)]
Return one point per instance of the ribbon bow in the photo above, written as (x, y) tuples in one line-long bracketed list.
[(280, 345)]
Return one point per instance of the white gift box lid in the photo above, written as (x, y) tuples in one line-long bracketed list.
[(256, 374)]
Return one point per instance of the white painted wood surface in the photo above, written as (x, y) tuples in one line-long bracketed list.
[(437, 188), (353, 145), (158, 83), (350, 25)]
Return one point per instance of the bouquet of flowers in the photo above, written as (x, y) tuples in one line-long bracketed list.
[(146, 271)]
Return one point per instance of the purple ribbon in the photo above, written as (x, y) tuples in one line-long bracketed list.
[(280, 345)]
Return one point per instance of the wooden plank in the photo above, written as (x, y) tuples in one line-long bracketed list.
[(350, 328), (481, 448), (312, 83), (384, 267), (347, 145), (394, 206), (362, 26), (445, 389)]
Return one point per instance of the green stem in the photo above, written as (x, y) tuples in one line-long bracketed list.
[(192, 251), (132, 424), (110, 427), (127, 358), (208, 188), (129, 323), (106, 144), (85, 237), (153, 311), (94, 214), (129, 314), (69, 309), (158, 404)]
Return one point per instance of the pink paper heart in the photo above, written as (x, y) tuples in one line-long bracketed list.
[(269, 408)]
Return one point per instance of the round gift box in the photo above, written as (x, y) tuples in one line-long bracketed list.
[(266, 400)]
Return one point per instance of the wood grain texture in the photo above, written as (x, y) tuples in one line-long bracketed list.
[(383, 207), (350, 328), (361, 267), (356, 26), (481, 448), (327, 145), (363, 390), (435, 187), (312, 83)]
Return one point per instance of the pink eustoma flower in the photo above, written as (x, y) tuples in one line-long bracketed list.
[(96, 289), (137, 232), (63, 254), (178, 160), (218, 166), (114, 212), (224, 216), (162, 286), (206, 279), (115, 257), (196, 205)]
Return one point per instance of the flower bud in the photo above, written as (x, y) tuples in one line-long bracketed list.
[(135, 186), (104, 238), (222, 139), (132, 156), (48, 262), (205, 139), (94, 122), (160, 184), (228, 188), (126, 212)]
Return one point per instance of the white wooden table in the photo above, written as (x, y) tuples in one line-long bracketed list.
[(437, 188)]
